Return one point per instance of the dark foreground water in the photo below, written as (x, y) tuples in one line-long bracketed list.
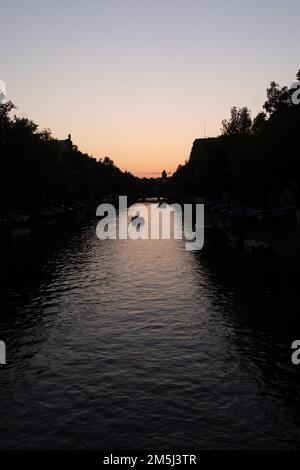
[(138, 344)]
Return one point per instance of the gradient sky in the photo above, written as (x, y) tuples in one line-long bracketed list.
[(137, 79)]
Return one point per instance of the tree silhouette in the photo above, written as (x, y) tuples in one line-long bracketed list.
[(239, 122), (38, 170), (254, 160)]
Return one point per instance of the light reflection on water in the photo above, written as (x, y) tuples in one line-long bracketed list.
[(138, 344)]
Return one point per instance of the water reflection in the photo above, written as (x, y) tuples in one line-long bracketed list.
[(142, 344)]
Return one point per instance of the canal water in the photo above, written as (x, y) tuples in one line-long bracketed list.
[(142, 344)]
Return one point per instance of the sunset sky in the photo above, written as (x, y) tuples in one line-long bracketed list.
[(137, 79)]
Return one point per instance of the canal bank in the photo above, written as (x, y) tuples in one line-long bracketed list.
[(283, 241)]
